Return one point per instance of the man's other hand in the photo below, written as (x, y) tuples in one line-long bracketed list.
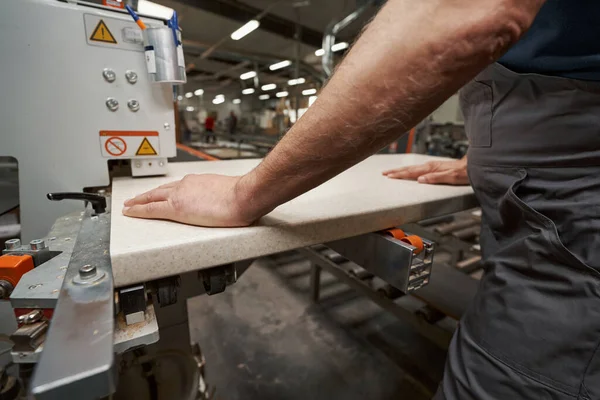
[(434, 172), (203, 200)]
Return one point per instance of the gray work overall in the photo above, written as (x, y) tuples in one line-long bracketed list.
[(533, 330)]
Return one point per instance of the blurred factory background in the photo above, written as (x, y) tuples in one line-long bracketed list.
[(257, 86)]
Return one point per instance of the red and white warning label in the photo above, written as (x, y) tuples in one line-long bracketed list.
[(126, 144)]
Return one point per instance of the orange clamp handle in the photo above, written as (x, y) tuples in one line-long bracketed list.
[(414, 241), (395, 233)]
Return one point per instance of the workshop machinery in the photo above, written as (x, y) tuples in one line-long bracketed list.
[(83, 86), (75, 328)]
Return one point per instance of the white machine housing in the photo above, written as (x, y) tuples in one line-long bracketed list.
[(54, 102)]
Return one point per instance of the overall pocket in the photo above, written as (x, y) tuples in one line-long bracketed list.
[(538, 309), (476, 101)]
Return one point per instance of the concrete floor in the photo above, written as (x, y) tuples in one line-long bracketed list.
[(264, 339)]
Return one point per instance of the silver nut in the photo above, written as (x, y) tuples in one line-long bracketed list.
[(112, 104), (133, 105), (109, 75), (167, 126), (37, 244), (12, 244), (87, 271), (131, 77)]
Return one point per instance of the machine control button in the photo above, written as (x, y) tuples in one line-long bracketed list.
[(12, 244), (112, 104), (133, 105), (131, 77), (109, 75)]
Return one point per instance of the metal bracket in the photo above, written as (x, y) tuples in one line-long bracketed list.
[(78, 357), (392, 260)]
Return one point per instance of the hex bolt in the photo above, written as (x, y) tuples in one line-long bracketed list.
[(131, 76), (37, 244), (109, 75), (12, 244), (112, 104), (133, 105), (87, 272)]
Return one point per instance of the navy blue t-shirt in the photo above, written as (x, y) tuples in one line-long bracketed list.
[(564, 40)]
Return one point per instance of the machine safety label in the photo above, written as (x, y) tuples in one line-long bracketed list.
[(129, 144), (102, 34), (115, 146), (146, 149)]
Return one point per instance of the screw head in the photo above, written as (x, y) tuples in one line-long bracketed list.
[(12, 244), (167, 126), (138, 164), (37, 285), (109, 75), (112, 104), (161, 163), (131, 77), (133, 105), (37, 244), (87, 271)]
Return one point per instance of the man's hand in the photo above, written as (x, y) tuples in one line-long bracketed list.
[(203, 200), (434, 172)]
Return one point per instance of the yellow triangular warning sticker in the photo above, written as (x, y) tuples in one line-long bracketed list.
[(146, 149), (102, 34)]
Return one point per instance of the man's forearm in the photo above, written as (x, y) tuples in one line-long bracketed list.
[(413, 56)]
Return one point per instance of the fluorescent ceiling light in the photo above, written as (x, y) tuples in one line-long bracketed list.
[(280, 65), (264, 97), (268, 87), (336, 47), (220, 96), (282, 94), (311, 100), (152, 9), (340, 46), (309, 92), (248, 91), (189, 95), (199, 92), (246, 29), (218, 100), (189, 108), (237, 101), (179, 98), (298, 81), (248, 75)]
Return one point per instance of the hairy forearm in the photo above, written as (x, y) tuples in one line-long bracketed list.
[(412, 57)]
